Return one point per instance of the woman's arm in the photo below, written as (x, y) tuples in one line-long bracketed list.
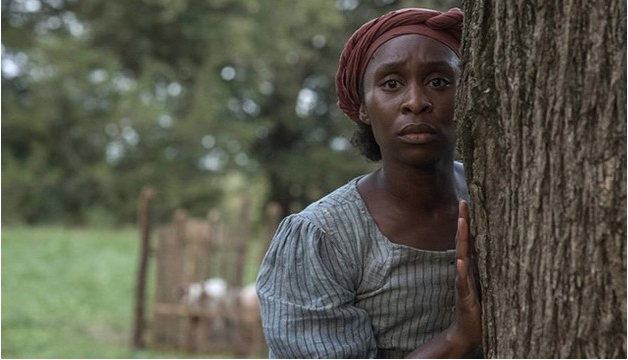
[(305, 286)]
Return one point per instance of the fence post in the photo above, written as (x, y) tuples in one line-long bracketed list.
[(144, 222), (241, 244), (273, 217)]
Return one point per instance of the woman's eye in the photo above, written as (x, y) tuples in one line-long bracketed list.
[(439, 82), (391, 84)]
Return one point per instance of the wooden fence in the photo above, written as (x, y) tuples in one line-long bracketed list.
[(188, 253)]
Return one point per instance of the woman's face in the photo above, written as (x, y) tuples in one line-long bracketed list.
[(409, 88)]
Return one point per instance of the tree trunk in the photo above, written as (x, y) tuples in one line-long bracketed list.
[(542, 128)]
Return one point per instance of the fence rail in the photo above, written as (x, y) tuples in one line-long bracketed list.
[(188, 314)]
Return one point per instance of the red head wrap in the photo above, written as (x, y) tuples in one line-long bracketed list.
[(445, 27)]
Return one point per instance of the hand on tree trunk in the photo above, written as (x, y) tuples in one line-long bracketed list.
[(464, 336), (466, 328)]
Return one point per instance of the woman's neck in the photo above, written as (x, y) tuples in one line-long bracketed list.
[(419, 188)]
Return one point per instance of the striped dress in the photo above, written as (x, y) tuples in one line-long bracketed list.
[(333, 286)]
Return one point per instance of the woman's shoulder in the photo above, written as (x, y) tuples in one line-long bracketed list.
[(339, 219), (340, 207), (328, 230)]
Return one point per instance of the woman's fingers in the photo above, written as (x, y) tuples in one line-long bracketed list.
[(462, 234), (462, 259), (467, 319), (463, 210), (470, 251), (465, 279)]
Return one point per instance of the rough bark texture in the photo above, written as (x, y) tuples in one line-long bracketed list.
[(542, 110)]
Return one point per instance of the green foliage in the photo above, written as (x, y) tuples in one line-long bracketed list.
[(102, 98)]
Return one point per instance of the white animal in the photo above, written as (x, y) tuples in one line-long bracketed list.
[(215, 294), (210, 293), (215, 288)]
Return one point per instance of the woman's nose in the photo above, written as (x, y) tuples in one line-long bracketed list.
[(416, 100)]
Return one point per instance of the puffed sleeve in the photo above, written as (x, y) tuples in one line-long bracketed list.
[(306, 288)]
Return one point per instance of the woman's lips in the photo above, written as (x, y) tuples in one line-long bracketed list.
[(417, 133)]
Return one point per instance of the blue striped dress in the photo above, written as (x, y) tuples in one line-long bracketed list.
[(331, 285)]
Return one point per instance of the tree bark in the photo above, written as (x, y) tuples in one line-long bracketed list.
[(542, 129)]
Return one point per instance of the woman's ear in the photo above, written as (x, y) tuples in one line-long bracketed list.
[(363, 115)]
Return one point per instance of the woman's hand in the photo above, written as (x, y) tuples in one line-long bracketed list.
[(466, 329), (464, 335)]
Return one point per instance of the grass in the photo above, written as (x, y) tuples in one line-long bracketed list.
[(68, 293)]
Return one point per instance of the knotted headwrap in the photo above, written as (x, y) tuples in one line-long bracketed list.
[(445, 27)]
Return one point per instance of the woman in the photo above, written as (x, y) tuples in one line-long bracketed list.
[(382, 266)]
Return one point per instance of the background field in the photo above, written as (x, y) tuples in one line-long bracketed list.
[(68, 293)]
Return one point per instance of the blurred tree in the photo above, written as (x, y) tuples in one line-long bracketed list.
[(102, 98), (85, 126)]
